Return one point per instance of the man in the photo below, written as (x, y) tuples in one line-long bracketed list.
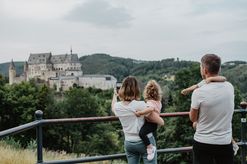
[(212, 108)]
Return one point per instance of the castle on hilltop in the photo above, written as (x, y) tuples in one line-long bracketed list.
[(60, 72)]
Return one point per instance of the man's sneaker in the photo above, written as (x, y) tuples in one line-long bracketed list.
[(235, 148), (151, 153)]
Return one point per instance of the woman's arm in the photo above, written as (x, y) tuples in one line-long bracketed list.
[(144, 112), (155, 119), (114, 100)]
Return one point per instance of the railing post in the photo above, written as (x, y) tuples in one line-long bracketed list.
[(39, 134), (243, 132)]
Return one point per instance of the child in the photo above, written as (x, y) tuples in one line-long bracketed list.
[(206, 81), (152, 96)]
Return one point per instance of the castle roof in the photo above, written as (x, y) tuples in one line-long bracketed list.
[(39, 58), (12, 65), (65, 58), (47, 58)]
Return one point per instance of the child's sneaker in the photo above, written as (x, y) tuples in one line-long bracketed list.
[(235, 148), (151, 153)]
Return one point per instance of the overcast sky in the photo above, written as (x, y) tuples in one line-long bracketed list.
[(138, 29)]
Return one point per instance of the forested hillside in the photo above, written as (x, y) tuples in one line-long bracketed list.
[(122, 67), (105, 64), (163, 71), (237, 75)]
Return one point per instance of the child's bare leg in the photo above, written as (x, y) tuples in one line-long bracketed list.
[(150, 146), (235, 146)]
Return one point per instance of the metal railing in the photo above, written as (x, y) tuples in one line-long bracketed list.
[(39, 122)]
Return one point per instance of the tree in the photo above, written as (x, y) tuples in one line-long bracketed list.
[(18, 108), (178, 131), (87, 138)]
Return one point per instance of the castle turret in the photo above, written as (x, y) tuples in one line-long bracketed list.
[(12, 72)]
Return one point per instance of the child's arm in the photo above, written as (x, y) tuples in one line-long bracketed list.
[(215, 79), (189, 90)]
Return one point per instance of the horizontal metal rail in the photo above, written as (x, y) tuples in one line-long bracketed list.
[(34, 124), (114, 156), (100, 119), (19, 129), (40, 122)]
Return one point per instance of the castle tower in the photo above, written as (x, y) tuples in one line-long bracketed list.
[(25, 71), (12, 72)]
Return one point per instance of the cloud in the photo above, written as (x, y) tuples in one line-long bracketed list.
[(216, 6), (185, 29), (232, 48), (100, 13)]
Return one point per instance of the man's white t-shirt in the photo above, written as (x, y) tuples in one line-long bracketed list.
[(130, 123), (215, 102)]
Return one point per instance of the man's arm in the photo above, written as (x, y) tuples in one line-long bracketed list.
[(193, 114)]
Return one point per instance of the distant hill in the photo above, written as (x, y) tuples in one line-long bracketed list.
[(106, 64), (237, 75), (4, 68), (122, 67)]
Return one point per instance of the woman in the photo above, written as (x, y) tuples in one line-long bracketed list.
[(129, 94)]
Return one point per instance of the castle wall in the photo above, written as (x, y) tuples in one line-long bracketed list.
[(98, 81), (63, 82)]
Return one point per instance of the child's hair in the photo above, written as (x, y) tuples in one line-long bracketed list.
[(152, 91), (129, 90)]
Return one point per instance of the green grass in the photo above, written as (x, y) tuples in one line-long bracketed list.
[(10, 154)]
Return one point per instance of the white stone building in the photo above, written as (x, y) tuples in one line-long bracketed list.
[(98, 81), (60, 72)]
